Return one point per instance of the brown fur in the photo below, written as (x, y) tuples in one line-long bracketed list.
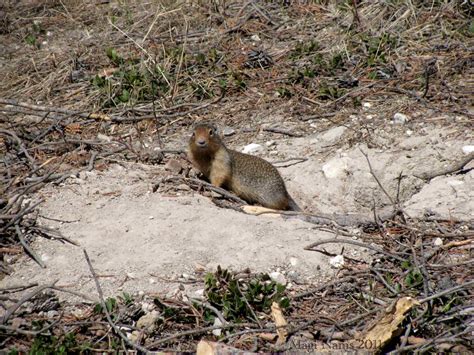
[(251, 178)]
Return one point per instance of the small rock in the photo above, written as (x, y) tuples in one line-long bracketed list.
[(400, 118), (228, 131), (293, 261), (199, 293), (146, 306), (337, 261), (103, 137), (409, 132), (467, 149), (438, 242), (174, 166), (217, 332), (255, 38), (151, 217), (152, 281), (278, 278), (52, 314), (335, 168), (334, 134), (148, 321), (270, 143), (367, 105), (252, 148), (199, 268)]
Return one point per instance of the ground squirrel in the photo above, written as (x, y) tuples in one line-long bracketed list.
[(251, 178)]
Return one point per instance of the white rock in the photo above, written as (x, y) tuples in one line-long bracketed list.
[(294, 261), (334, 134), (467, 149), (52, 314), (278, 278), (252, 148), (146, 306), (337, 261), (199, 293), (270, 143), (335, 168), (255, 38), (151, 217), (438, 242), (152, 281), (409, 132), (367, 105), (217, 332), (228, 131), (103, 137), (400, 118)]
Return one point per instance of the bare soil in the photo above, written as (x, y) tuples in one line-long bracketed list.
[(145, 241)]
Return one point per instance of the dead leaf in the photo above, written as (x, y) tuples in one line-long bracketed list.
[(258, 209), (267, 336), (205, 347), (280, 323), (385, 329)]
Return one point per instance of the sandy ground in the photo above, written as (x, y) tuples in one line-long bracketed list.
[(158, 242)]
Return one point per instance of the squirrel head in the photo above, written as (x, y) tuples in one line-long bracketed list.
[(205, 139)]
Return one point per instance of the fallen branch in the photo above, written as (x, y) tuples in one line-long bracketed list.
[(106, 311), (353, 242)]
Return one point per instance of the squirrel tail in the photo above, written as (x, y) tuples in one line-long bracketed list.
[(292, 205)]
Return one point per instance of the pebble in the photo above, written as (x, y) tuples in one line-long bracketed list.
[(217, 332), (52, 314), (400, 118), (337, 261), (199, 293), (438, 242), (252, 148), (228, 131), (334, 134), (278, 278), (335, 168), (255, 38)]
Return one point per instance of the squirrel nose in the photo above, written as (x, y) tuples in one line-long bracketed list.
[(201, 142)]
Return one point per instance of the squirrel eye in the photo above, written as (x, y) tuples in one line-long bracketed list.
[(211, 132)]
